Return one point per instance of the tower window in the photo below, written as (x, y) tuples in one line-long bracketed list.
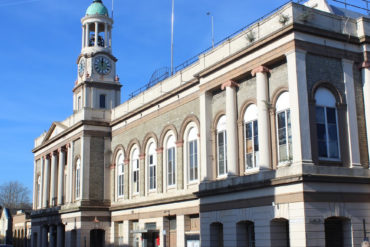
[(102, 104)]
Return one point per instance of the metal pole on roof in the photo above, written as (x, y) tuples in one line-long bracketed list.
[(213, 33), (172, 22), (112, 7)]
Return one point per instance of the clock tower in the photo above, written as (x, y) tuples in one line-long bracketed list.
[(97, 86)]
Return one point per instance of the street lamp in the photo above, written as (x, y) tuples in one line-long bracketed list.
[(213, 35)]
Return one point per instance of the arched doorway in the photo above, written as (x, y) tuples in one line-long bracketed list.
[(97, 238), (338, 232), (245, 236), (217, 234), (279, 232)]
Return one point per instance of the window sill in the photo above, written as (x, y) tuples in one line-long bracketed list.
[(251, 171), (284, 163), (330, 162)]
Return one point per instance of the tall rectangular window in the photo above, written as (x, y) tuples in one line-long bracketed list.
[(135, 174), (152, 172), (120, 180), (222, 151), (171, 166), (251, 144), (284, 136), (327, 132), (193, 160), (102, 103)]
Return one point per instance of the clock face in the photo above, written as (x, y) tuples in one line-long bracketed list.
[(102, 65), (81, 67)]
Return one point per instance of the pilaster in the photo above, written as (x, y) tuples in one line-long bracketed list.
[(180, 164), (366, 89), (126, 182), (142, 175), (299, 110), (85, 166), (45, 199), (160, 170), (354, 147), (61, 175)]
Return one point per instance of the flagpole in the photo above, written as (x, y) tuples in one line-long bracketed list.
[(112, 7), (172, 22)]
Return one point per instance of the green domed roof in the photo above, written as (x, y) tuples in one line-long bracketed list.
[(97, 8)]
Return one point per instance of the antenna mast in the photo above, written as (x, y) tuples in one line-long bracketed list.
[(172, 22), (112, 7)]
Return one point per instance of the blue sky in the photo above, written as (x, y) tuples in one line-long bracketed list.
[(41, 40)]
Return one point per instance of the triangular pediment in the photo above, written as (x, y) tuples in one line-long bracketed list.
[(55, 129), (320, 5)]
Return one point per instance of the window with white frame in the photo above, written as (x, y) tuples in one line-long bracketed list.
[(135, 171), (192, 158), (171, 161), (120, 175), (78, 179), (327, 124), (152, 166), (251, 137), (221, 147), (283, 128)]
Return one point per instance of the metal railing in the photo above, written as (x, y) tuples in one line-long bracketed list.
[(195, 58)]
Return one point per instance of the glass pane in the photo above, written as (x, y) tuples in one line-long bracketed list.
[(249, 146), (282, 136), (283, 152), (255, 127), (322, 149), (249, 160), (256, 143), (330, 115), (221, 138), (248, 130), (333, 150), (281, 120), (320, 116), (321, 132), (256, 158), (332, 129)]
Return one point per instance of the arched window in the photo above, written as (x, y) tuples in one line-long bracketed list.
[(251, 137), (78, 179), (120, 174), (135, 171), (38, 192), (221, 147), (171, 161), (152, 166), (284, 132), (326, 124), (192, 154)]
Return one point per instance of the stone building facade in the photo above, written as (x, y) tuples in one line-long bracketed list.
[(262, 141)]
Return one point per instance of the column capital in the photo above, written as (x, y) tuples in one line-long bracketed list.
[(126, 161), (229, 83), (142, 156), (260, 69), (365, 65), (159, 150), (112, 166)]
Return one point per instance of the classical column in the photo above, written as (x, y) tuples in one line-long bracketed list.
[(53, 178), (83, 36), (61, 175), (354, 147), (264, 139), (45, 199), (41, 184), (96, 33), (87, 33), (142, 174), (70, 172), (180, 231), (35, 182), (60, 235), (126, 177), (366, 89), (180, 164), (231, 127), (205, 153), (299, 110), (105, 35), (160, 170)]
